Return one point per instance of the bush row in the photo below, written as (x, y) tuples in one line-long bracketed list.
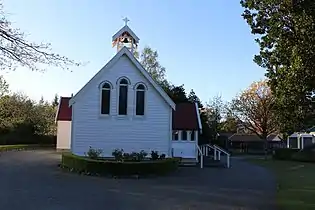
[(305, 155), (115, 168)]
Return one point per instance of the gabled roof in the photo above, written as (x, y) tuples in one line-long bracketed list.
[(125, 29), (184, 118), (64, 112), (125, 51)]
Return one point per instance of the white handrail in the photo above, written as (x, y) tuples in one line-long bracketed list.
[(217, 152), (201, 156), (225, 152)]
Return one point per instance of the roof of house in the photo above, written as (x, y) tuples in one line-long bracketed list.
[(124, 51), (250, 137), (186, 116), (64, 112)]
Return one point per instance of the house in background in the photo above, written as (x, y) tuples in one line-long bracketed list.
[(300, 140), (122, 107), (251, 142)]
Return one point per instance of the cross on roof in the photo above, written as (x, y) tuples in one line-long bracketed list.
[(126, 20)]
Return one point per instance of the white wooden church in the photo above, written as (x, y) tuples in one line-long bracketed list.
[(122, 107)]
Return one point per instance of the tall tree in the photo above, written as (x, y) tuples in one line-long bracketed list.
[(55, 101), (4, 86), (192, 97), (17, 51), (286, 37), (254, 108), (149, 60)]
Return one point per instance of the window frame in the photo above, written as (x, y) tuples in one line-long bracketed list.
[(118, 95), (136, 90), (101, 88)]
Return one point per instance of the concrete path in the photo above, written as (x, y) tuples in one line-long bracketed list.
[(31, 180)]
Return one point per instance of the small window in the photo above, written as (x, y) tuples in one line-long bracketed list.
[(184, 135), (123, 97), (175, 135), (105, 98), (140, 97), (192, 135)]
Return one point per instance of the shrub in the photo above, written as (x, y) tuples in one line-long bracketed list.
[(94, 153), (106, 167), (284, 153), (155, 155), (119, 154), (307, 155)]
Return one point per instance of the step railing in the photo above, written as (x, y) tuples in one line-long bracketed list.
[(206, 150), (201, 156)]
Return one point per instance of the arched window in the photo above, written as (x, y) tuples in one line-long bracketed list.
[(123, 97), (140, 94), (105, 98)]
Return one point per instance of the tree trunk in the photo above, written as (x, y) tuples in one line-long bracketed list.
[(266, 148)]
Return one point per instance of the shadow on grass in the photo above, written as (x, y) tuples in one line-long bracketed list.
[(295, 180)]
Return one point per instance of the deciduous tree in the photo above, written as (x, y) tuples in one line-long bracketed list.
[(254, 108), (16, 50), (286, 37)]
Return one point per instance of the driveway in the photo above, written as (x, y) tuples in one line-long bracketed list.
[(31, 180)]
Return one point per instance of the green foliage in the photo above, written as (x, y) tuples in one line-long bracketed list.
[(305, 155), (94, 153), (155, 155), (22, 120), (117, 168), (284, 153), (149, 60), (286, 37), (119, 154), (4, 86)]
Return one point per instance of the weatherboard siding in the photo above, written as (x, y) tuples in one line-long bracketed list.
[(63, 134), (131, 133)]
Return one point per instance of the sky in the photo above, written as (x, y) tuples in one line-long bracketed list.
[(205, 45)]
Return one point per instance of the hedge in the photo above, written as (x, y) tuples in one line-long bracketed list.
[(108, 167), (284, 153), (4, 148), (304, 156)]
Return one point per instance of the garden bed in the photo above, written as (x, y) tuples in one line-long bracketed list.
[(101, 167)]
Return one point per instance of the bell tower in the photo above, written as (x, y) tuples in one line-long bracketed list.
[(125, 37)]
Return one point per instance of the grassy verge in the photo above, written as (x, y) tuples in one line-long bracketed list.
[(4, 148), (296, 183)]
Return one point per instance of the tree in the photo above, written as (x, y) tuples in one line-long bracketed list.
[(229, 124), (192, 97), (286, 37), (211, 117), (254, 109), (55, 101), (4, 87), (149, 60), (17, 51)]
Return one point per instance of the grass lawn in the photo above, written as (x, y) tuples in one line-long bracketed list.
[(296, 183)]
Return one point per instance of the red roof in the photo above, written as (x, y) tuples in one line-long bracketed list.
[(64, 111), (184, 118)]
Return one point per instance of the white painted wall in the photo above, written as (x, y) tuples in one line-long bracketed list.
[(185, 148), (63, 134), (131, 133)]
